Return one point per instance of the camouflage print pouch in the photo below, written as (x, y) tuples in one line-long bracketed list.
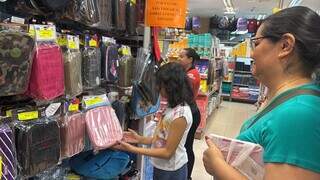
[(16, 53)]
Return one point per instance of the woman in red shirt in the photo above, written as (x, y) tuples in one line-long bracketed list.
[(187, 58)]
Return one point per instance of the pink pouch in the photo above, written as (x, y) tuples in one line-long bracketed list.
[(72, 133), (47, 75), (103, 127)]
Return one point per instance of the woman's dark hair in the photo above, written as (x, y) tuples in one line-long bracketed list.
[(304, 24), (174, 80), (191, 53)]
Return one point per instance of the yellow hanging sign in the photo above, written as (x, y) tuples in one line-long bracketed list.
[(93, 101), (25, 116), (73, 107)]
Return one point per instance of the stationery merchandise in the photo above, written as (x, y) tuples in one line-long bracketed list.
[(72, 133), (106, 164), (103, 127), (47, 75), (38, 146), (7, 153), (16, 55), (91, 64), (72, 67)]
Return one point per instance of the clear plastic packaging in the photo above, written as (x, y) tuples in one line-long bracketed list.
[(90, 102), (244, 156), (89, 12), (111, 64), (103, 127), (131, 17), (7, 153), (47, 75), (105, 12), (72, 72), (119, 14), (16, 55), (73, 10), (91, 67), (57, 173), (38, 146), (126, 69), (72, 132)]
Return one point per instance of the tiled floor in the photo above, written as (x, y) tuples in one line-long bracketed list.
[(225, 121)]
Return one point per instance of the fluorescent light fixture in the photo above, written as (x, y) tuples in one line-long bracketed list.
[(295, 3), (229, 7), (230, 13)]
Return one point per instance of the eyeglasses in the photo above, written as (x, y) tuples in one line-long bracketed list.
[(254, 40)]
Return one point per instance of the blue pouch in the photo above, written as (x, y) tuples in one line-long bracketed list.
[(107, 164)]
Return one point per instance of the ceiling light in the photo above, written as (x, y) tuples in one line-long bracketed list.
[(229, 8), (295, 3)]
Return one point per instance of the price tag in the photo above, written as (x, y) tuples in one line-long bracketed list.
[(62, 41), (133, 2), (73, 107), (52, 109), (93, 101), (8, 114), (32, 32), (0, 166), (73, 177), (45, 32), (73, 42), (93, 43), (25, 116)]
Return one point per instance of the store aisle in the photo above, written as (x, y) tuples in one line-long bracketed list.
[(225, 121)]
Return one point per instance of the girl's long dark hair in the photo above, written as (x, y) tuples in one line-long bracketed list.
[(174, 80)]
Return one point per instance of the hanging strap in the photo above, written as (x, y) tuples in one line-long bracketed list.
[(282, 99)]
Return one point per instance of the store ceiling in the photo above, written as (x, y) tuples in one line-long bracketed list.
[(243, 8)]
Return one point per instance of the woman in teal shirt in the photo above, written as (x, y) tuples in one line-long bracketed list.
[(286, 51)]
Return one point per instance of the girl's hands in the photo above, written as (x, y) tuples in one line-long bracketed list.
[(123, 146), (131, 136)]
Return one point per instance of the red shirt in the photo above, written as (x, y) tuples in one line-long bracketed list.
[(194, 77)]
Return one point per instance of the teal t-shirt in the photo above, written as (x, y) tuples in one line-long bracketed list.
[(290, 133)]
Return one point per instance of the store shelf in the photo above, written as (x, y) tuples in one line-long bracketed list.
[(245, 72), (205, 59), (206, 94), (225, 95), (236, 84), (243, 99), (170, 40)]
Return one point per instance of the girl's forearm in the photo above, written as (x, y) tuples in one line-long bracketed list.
[(146, 140), (162, 153)]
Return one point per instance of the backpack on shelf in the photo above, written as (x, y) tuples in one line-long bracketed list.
[(72, 133), (119, 14), (111, 64), (91, 67), (106, 164), (47, 75), (72, 68), (103, 127), (145, 94), (7, 153), (16, 56), (38, 146)]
